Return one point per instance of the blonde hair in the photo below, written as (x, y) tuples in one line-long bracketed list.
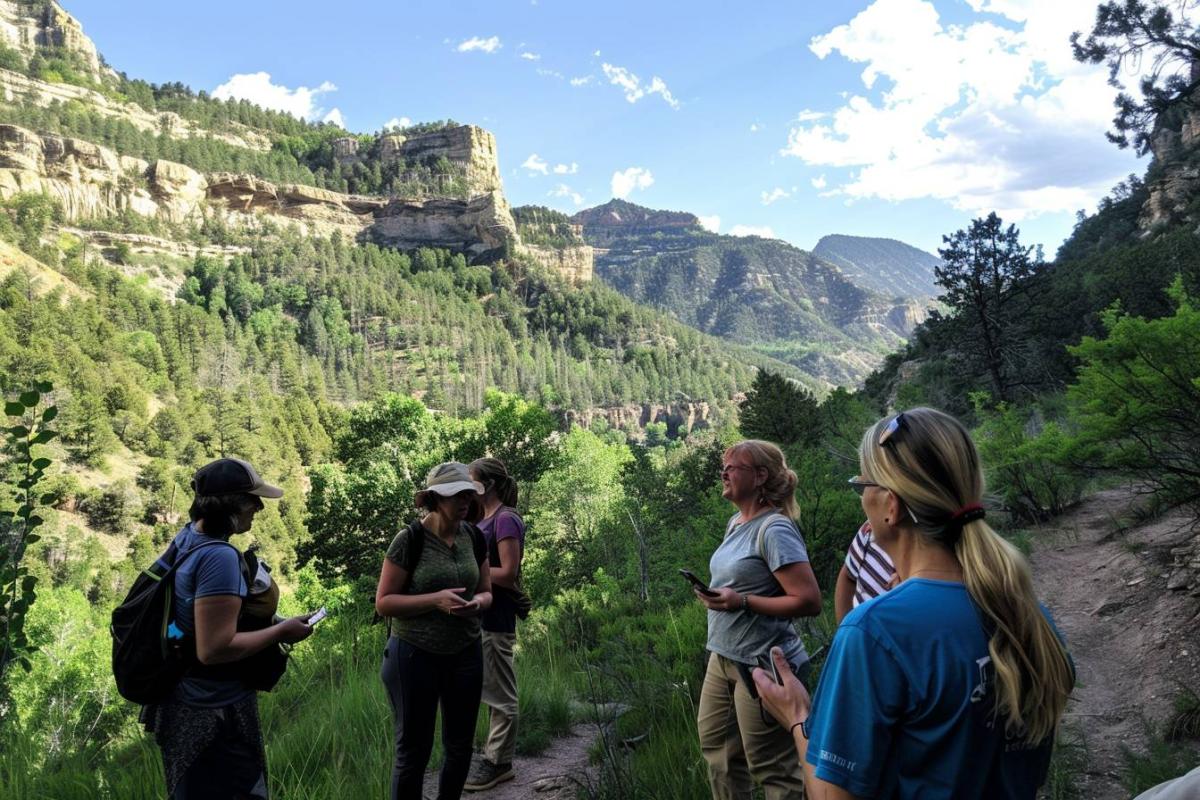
[(931, 463), (779, 489)]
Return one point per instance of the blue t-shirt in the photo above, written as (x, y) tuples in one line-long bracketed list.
[(215, 570), (906, 704)]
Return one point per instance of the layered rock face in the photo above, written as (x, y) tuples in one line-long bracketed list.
[(468, 147), (474, 226), (575, 262), (681, 418), (47, 28), (1179, 182), (91, 182)]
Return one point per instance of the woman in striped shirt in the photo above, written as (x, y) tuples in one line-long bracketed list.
[(868, 572)]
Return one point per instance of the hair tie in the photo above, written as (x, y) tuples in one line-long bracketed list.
[(968, 513)]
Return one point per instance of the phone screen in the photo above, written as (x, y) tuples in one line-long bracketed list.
[(317, 617), (699, 584)]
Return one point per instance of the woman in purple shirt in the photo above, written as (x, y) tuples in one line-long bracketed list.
[(504, 531)]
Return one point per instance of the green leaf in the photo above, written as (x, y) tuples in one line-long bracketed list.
[(19, 430), (43, 386), (25, 663), (28, 582), (43, 437), (30, 399), (41, 463), (31, 538), (14, 409), (34, 522), (24, 511), (47, 499), (50, 413)]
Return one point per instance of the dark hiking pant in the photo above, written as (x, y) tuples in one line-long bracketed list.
[(417, 682)]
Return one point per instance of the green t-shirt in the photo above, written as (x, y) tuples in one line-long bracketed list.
[(440, 567)]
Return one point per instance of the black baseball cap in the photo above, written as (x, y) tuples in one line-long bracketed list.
[(231, 476)]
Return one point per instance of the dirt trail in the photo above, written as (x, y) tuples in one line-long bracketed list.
[(553, 775), (1134, 642)]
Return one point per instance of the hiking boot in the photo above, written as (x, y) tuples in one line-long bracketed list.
[(485, 775)]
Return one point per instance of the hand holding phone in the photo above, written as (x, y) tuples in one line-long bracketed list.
[(317, 617), (700, 585)]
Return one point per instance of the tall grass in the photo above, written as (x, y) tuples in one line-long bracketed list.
[(328, 728)]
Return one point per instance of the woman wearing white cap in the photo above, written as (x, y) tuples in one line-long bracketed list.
[(434, 585)]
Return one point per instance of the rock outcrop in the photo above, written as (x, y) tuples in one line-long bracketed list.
[(33, 28), (476, 226), (93, 182), (469, 148), (1174, 144), (681, 417), (574, 262)]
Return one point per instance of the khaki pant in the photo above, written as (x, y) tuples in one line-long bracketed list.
[(739, 744), (500, 695)]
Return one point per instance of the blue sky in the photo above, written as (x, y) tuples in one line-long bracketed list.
[(896, 118)]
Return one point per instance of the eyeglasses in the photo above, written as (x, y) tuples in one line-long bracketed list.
[(859, 485), (727, 467), (891, 429)]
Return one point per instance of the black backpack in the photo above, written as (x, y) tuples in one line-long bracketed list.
[(146, 664)]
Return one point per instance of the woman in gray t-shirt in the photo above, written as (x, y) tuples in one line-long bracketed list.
[(762, 580)]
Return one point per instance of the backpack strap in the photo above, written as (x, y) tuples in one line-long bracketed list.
[(416, 546), (762, 534), (478, 543)]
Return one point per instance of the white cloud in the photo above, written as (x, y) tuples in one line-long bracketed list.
[(550, 73), (752, 230), (625, 181), (488, 45), (755, 127), (993, 114), (562, 190), (397, 123), (536, 164), (710, 223), (257, 87), (819, 182), (632, 86), (531, 56), (564, 169), (584, 81), (778, 193), (335, 116)]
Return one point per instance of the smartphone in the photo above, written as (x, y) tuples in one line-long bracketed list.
[(747, 678), (768, 665), (317, 617), (699, 584)]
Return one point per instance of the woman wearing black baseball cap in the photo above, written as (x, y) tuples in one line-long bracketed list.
[(209, 730)]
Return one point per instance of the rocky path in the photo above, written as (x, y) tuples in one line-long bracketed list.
[(555, 774), (1134, 641)]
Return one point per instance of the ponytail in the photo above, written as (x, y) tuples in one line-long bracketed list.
[(492, 473), (1033, 673)]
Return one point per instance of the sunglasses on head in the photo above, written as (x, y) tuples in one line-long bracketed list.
[(890, 429)]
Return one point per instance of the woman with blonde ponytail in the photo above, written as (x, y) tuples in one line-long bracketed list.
[(952, 684)]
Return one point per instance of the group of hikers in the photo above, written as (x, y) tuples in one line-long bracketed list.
[(945, 679)]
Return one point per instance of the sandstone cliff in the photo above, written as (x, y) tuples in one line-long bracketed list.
[(468, 149), (681, 417), (45, 28), (1174, 180), (93, 182)]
